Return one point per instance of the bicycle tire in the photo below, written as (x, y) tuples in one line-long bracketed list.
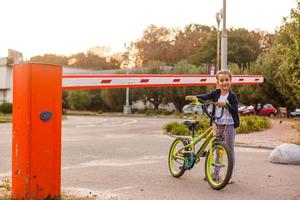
[(211, 182), (171, 160)]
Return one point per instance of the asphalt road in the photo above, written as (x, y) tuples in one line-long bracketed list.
[(126, 158)]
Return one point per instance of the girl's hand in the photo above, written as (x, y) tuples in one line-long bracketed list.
[(221, 104)]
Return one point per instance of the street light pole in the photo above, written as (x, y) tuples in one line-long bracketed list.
[(127, 108), (218, 18), (224, 39)]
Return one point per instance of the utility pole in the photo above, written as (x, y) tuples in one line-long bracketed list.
[(127, 108), (224, 39), (218, 18)]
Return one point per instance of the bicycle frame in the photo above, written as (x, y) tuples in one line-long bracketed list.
[(209, 140)]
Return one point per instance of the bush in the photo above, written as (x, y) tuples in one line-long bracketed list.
[(6, 108), (176, 128), (79, 100), (248, 124), (158, 112), (253, 123)]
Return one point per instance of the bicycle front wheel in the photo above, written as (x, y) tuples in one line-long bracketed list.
[(219, 166), (176, 158)]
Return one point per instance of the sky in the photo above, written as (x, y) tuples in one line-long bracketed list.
[(36, 27)]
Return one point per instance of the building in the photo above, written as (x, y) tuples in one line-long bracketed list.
[(6, 74)]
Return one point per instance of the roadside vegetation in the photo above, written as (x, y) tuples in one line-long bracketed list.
[(248, 124), (5, 112), (296, 125)]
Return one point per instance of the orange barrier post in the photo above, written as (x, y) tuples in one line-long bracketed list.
[(36, 144)]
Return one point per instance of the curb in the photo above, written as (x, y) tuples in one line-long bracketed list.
[(236, 144), (254, 146)]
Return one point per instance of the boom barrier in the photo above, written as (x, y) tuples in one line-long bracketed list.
[(74, 82)]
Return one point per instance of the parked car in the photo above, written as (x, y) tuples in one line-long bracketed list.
[(269, 110), (266, 110), (193, 109), (296, 113), (247, 110), (242, 108)]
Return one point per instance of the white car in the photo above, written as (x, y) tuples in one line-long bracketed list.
[(192, 109)]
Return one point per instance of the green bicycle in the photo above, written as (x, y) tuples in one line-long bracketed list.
[(219, 160)]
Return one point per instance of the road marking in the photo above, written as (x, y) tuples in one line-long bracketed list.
[(117, 163), (102, 124)]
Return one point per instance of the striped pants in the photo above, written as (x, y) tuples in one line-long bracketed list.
[(227, 133)]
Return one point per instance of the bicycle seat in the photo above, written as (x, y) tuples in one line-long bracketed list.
[(190, 122)]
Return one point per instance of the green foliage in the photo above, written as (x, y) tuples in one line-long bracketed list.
[(79, 100), (289, 57), (243, 48), (253, 123), (280, 67), (157, 112), (176, 128), (156, 96), (248, 124), (114, 99), (6, 108)]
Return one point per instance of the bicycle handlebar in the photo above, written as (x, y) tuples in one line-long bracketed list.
[(204, 104)]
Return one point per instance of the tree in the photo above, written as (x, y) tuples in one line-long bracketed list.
[(289, 57), (188, 41), (89, 60), (79, 100), (50, 58), (154, 45), (207, 52), (113, 98), (176, 95), (156, 96)]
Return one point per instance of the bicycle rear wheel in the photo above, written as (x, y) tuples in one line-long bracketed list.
[(219, 166), (176, 158)]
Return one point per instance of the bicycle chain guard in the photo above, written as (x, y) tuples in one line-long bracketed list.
[(189, 161)]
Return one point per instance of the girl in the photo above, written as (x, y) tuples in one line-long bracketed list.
[(225, 126)]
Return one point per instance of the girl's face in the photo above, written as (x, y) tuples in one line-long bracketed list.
[(224, 82)]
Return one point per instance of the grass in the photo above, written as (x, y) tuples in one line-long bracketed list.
[(4, 118), (82, 113), (296, 125)]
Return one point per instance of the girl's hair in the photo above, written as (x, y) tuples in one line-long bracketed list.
[(224, 71)]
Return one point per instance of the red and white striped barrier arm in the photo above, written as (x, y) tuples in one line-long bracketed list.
[(75, 82)]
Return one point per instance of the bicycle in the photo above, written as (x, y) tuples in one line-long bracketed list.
[(218, 160)]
